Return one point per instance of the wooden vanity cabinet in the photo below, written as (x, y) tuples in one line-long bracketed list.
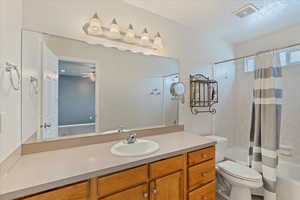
[(190, 176), (167, 166), (120, 181), (207, 192), (201, 174), (169, 187), (136, 193), (79, 191)]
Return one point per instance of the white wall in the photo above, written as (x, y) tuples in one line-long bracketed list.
[(194, 50), (10, 51), (67, 17), (198, 57), (31, 67), (225, 119), (291, 85)]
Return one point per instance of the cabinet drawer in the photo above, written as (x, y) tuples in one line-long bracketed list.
[(79, 191), (201, 155), (201, 174), (207, 192), (136, 193), (164, 167), (122, 180)]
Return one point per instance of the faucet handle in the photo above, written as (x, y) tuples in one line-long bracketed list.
[(122, 129), (131, 138)]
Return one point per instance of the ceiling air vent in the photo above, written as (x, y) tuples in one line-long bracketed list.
[(245, 11)]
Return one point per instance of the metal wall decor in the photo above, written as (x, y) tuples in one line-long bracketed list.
[(203, 94)]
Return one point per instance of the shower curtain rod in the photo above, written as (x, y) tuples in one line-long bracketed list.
[(258, 53)]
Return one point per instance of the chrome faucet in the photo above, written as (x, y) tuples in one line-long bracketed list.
[(131, 138)]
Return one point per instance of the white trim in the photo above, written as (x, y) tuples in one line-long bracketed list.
[(76, 125)]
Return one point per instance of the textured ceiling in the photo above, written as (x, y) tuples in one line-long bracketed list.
[(215, 16)]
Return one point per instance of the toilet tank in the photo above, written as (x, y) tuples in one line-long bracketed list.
[(221, 146)]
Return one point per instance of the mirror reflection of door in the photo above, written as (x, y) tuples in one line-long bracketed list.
[(170, 104), (68, 96), (50, 94)]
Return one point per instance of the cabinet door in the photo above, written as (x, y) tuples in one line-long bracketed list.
[(168, 188), (78, 191), (136, 193)]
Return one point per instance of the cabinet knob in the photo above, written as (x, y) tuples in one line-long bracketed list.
[(204, 198), (146, 195), (154, 191), (204, 174), (205, 155)]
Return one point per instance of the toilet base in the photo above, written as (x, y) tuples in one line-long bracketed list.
[(240, 193)]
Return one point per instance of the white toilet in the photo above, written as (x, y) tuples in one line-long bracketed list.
[(241, 178)]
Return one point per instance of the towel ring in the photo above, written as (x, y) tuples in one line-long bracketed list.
[(10, 68), (35, 84)]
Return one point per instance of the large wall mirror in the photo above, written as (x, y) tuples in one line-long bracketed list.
[(71, 88)]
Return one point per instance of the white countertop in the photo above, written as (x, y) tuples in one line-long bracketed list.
[(39, 172)]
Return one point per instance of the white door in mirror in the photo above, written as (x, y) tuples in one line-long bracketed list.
[(139, 148)]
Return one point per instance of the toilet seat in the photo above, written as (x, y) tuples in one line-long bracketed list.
[(239, 171)]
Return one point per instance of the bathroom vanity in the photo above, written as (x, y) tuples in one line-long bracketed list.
[(183, 168)]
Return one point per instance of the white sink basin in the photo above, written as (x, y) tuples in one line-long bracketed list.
[(139, 148)]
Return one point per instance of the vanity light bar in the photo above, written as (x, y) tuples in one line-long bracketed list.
[(95, 28)]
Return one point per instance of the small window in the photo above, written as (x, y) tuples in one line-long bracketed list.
[(283, 58), (287, 57), (249, 64), (294, 57)]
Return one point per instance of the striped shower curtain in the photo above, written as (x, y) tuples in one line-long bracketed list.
[(266, 121)]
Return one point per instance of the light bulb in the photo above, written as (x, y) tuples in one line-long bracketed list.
[(130, 35), (95, 25), (114, 30), (157, 43), (145, 39)]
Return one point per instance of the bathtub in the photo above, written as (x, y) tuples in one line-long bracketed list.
[(288, 187)]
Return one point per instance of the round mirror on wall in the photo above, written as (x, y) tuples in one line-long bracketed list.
[(178, 90)]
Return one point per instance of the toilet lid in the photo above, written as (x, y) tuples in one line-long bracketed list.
[(239, 171)]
